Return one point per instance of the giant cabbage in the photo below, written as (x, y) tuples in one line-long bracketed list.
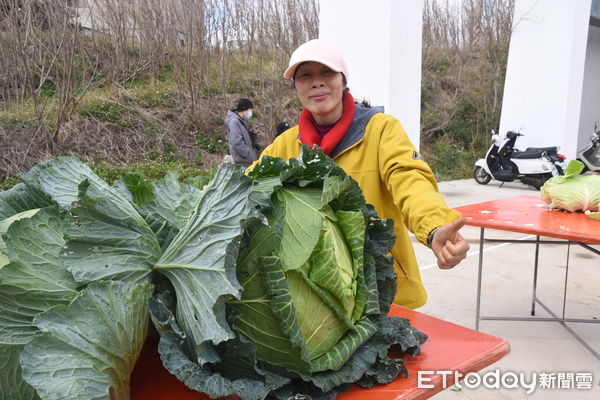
[(572, 191), (269, 285), (305, 298)]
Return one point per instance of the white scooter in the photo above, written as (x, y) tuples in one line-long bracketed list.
[(590, 154), (504, 163)]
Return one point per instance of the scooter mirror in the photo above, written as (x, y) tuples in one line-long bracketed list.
[(494, 132)]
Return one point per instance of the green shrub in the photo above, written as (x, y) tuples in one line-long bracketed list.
[(217, 120), (199, 160), (152, 155), (448, 160), (7, 183), (108, 111), (169, 147), (240, 87), (14, 121), (152, 169), (200, 180), (211, 145), (234, 86), (209, 90), (174, 158), (137, 81), (157, 98), (438, 65), (463, 123), (48, 89)]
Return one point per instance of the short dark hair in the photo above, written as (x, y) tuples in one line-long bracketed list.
[(244, 104), (282, 127)]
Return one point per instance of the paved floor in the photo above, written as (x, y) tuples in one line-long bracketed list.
[(537, 347)]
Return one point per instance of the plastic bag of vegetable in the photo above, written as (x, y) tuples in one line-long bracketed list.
[(572, 191)]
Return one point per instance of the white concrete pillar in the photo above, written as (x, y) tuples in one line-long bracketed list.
[(381, 41), (544, 77)]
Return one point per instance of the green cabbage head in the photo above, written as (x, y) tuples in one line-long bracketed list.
[(572, 191), (313, 265)]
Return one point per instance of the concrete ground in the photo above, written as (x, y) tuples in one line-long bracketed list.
[(537, 347)]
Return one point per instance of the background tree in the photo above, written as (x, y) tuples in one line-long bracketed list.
[(128, 82), (465, 50)]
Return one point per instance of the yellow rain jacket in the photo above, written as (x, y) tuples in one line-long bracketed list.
[(378, 154)]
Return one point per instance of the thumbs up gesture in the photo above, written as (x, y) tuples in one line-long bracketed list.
[(448, 245)]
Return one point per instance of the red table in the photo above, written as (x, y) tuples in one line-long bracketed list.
[(529, 214), (450, 347)]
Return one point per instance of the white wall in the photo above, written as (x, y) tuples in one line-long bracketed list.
[(381, 42), (544, 78), (590, 104), (404, 87)]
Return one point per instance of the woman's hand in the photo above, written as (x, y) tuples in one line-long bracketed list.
[(448, 245)]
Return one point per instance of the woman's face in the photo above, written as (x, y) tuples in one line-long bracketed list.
[(320, 90)]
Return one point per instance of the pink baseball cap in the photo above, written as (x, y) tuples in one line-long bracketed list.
[(320, 51)]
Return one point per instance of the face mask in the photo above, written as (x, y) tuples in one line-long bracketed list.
[(249, 114)]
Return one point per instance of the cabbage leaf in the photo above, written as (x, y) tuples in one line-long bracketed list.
[(12, 385), (200, 261), (36, 279), (106, 238), (88, 348), (21, 198)]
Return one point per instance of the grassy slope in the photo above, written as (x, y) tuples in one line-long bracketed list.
[(147, 124)]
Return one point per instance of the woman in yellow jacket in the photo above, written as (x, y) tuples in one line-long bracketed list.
[(374, 149)]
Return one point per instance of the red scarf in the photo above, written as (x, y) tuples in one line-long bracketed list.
[(310, 136)]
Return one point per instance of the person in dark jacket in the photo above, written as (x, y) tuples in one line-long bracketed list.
[(242, 141)]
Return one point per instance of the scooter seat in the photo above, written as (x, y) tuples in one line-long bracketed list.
[(528, 154), (548, 149)]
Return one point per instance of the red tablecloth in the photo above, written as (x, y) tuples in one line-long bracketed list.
[(450, 347)]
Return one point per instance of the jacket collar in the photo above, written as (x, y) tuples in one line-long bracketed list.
[(356, 131)]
